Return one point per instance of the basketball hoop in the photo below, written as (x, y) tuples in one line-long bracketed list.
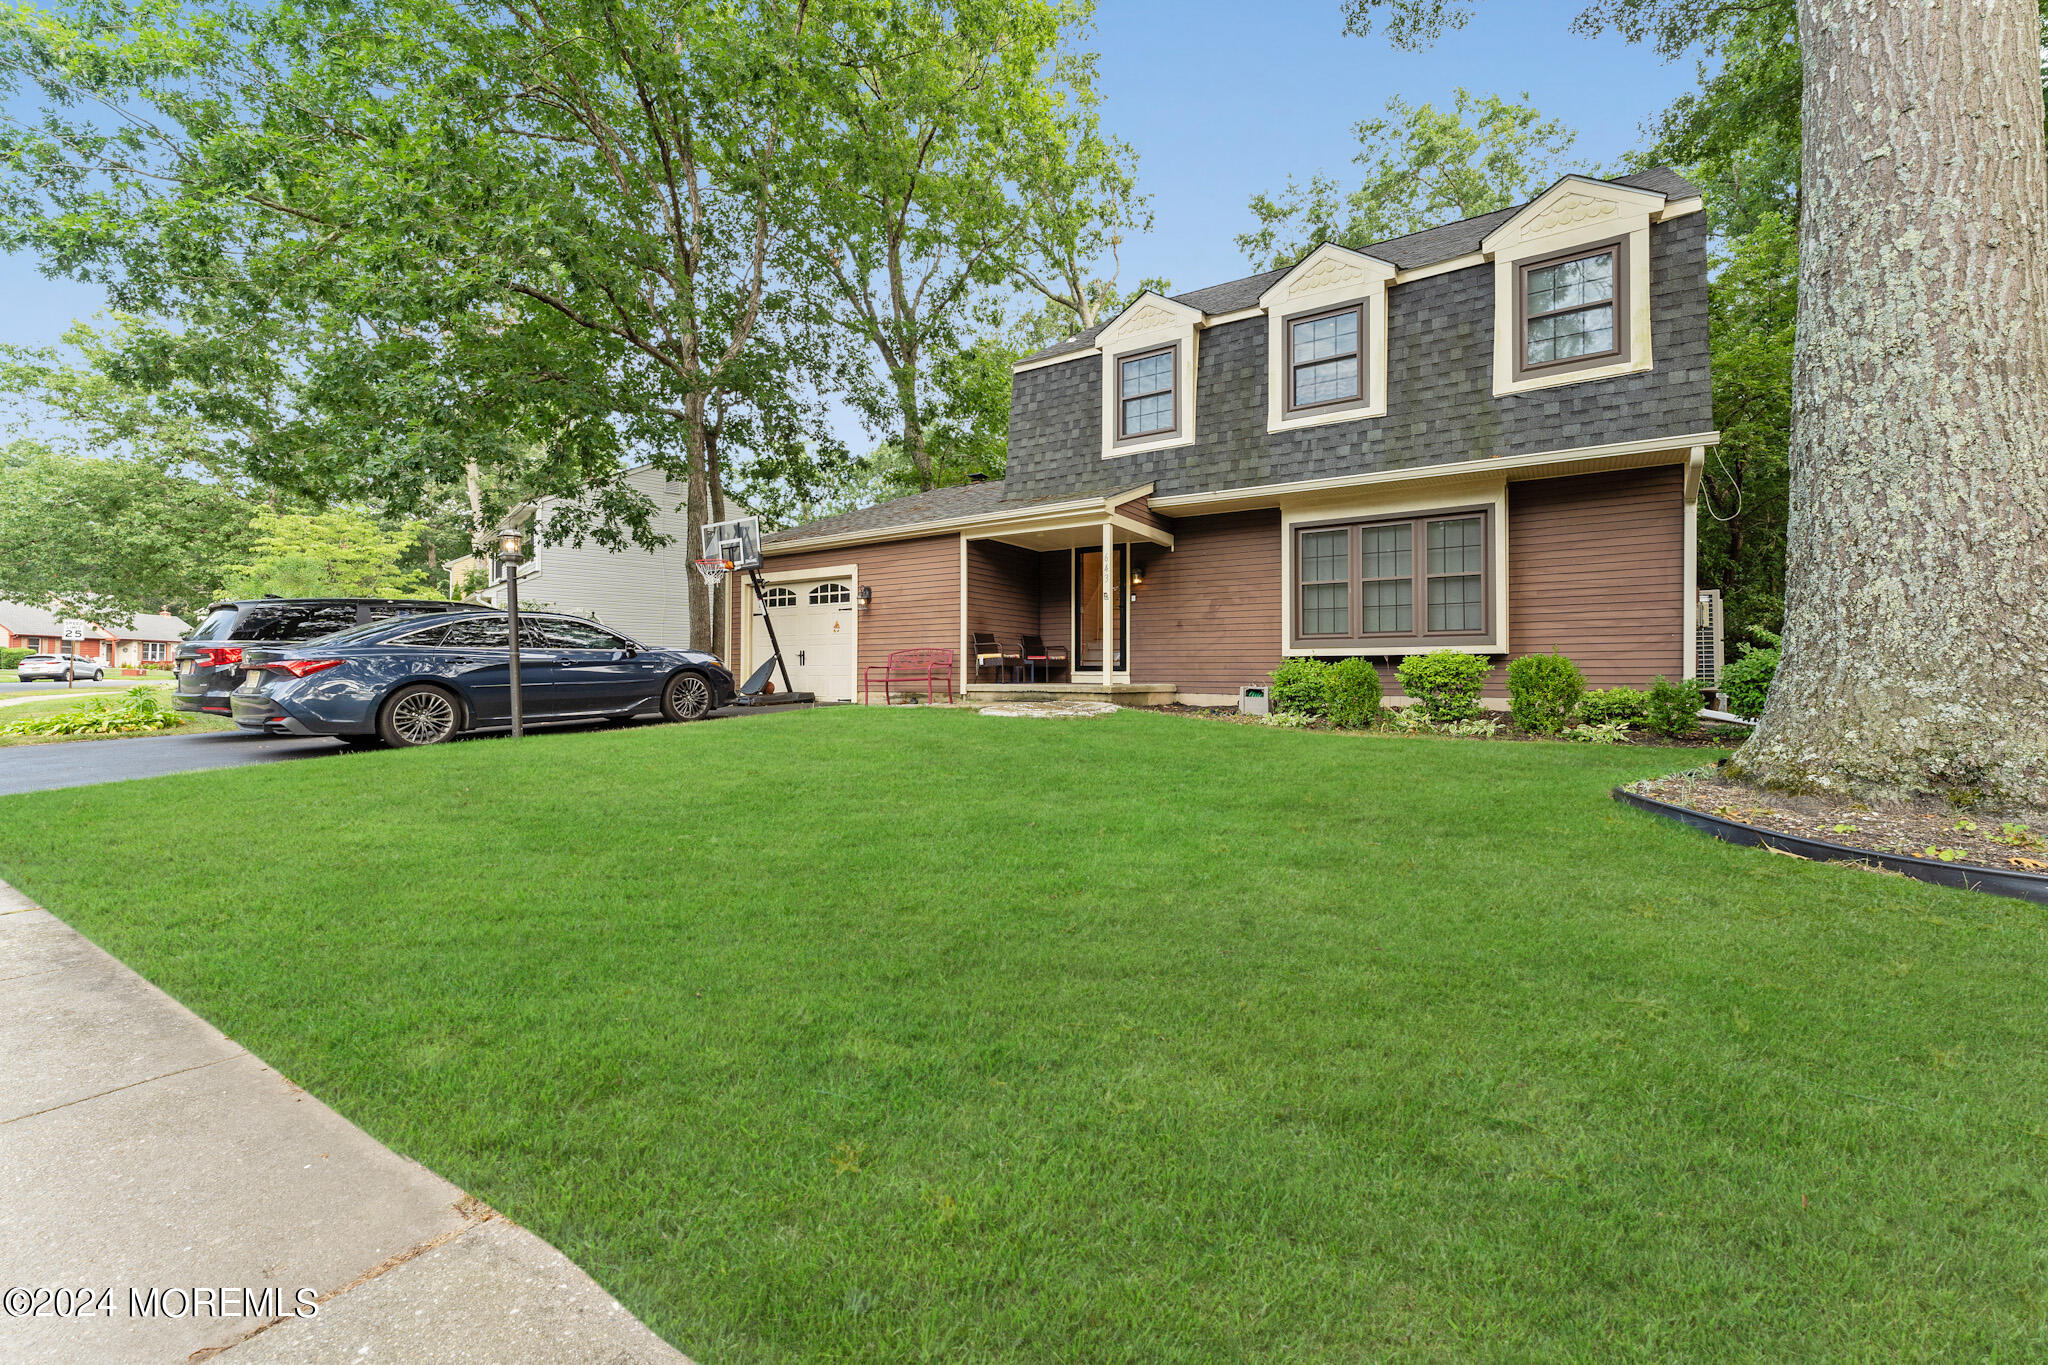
[(714, 570)]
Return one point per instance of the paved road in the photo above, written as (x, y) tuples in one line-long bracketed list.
[(88, 762)]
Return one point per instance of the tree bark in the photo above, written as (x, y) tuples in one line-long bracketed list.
[(1915, 653), (714, 483), (695, 518)]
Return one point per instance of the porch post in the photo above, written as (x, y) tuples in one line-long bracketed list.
[(1108, 604)]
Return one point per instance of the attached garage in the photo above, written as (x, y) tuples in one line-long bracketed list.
[(815, 621)]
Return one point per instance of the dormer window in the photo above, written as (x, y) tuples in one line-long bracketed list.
[(1146, 401), (1569, 307), (1324, 355), (1326, 340)]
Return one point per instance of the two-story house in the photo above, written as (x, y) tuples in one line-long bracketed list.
[(1484, 437), (643, 592)]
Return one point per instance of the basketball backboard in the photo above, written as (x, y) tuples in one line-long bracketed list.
[(738, 541)]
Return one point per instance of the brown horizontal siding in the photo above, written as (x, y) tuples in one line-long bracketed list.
[(1002, 590), (1055, 604), (1207, 616), (1139, 509), (916, 604), (1596, 571)]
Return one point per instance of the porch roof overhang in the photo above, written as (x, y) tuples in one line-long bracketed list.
[(1044, 526)]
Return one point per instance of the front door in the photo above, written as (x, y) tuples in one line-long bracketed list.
[(1088, 610)]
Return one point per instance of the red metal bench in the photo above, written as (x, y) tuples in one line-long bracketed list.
[(927, 666)]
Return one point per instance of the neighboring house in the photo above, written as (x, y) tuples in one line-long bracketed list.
[(137, 641), (644, 593), (1484, 437)]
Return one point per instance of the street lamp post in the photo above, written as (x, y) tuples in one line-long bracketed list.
[(511, 554)]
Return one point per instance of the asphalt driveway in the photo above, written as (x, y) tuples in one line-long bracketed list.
[(87, 762), (81, 763)]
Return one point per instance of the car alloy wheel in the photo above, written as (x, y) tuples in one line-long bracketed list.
[(97, 675), (688, 697), (421, 715)]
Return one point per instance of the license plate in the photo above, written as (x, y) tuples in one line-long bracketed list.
[(186, 668), (251, 677)]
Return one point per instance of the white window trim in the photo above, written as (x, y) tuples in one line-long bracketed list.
[(1574, 212), (1493, 495), (1328, 278), (1151, 321)]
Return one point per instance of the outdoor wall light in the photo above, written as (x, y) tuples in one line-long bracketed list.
[(867, 598), (1137, 574)]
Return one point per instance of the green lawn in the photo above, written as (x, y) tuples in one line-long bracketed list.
[(895, 1035)]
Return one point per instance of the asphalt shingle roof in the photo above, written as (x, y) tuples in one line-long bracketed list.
[(939, 504), (1406, 253), (23, 619)]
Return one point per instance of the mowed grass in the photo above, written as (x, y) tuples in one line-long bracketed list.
[(912, 1034)]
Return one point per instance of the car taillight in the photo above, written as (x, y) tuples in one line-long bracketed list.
[(299, 668), (216, 658)]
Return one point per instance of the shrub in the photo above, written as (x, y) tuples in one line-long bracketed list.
[(1445, 685), (1354, 693), (10, 657), (1413, 720), (1613, 704), (1302, 685), (1598, 732), (1674, 707), (1543, 689), (140, 710), (1288, 720), (1747, 682)]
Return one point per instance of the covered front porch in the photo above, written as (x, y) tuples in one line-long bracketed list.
[(1054, 594)]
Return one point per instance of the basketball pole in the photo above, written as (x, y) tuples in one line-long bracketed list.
[(761, 596)]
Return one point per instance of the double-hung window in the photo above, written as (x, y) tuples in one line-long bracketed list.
[(1573, 309), (1326, 358), (1147, 405), (1416, 579)]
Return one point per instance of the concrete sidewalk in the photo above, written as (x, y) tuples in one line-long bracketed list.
[(141, 1150)]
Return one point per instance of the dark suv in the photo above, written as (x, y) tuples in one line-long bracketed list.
[(210, 661)]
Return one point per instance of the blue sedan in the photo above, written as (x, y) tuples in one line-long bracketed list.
[(406, 681)]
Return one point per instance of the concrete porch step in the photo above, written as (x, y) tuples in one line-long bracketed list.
[(1123, 694)]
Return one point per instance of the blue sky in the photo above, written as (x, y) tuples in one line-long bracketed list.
[(1224, 99)]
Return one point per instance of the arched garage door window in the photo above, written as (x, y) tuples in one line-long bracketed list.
[(830, 594), (779, 597)]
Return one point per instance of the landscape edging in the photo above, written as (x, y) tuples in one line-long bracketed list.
[(2026, 886)]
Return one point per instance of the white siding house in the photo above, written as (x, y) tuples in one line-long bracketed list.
[(644, 593)]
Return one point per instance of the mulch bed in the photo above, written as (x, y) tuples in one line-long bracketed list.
[(2015, 841), (1709, 736)]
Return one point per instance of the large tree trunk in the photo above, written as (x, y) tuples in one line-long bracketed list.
[(1916, 624), (714, 482), (696, 517)]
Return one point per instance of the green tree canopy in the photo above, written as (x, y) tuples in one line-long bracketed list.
[(343, 552), (1422, 166), (103, 539)]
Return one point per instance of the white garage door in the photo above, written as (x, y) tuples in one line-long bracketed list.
[(815, 623)]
